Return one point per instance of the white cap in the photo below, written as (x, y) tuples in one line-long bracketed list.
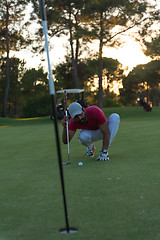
[(74, 109)]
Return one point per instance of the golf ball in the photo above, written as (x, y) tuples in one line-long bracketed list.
[(80, 164)]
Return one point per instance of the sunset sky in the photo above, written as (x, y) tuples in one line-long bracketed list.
[(129, 54)]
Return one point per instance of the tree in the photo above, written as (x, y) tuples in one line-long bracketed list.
[(151, 40), (109, 19), (153, 47), (35, 91), (34, 83), (89, 20), (153, 77), (87, 71), (65, 19), (16, 69), (29, 91), (63, 75), (149, 34), (11, 35), (142, 81), (131, 88), (112, 70)]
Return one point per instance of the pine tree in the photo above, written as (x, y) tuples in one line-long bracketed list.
[(11, 35)]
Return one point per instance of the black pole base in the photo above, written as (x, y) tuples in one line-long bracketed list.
[(70, 230)]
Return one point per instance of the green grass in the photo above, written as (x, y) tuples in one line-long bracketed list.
[(115, 200)]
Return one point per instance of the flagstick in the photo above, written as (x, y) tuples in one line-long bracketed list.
[(60, 161), (65, 96), (52, 93)]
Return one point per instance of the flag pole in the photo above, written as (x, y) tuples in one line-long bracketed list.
[(66, 113), (52, 93)]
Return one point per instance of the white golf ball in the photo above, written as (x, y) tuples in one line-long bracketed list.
[(80, 164)]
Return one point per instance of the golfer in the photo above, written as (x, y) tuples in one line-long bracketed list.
[(94, 127)]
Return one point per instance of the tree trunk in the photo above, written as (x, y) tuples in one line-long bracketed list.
[(100, 93), (4, 110), (74, 73), (74, 58), (100, 64)]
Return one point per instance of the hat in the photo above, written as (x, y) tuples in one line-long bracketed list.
[(74, 109)]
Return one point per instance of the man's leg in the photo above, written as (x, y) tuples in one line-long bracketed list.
[(113, 125), (87, 137)]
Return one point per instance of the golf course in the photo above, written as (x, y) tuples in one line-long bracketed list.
[(117, 199)]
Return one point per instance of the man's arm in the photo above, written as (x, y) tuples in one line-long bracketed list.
[(106, 135), (64, 133)]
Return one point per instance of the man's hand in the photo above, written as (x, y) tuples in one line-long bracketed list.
[(66, 118), (64, 132), (104, 156)]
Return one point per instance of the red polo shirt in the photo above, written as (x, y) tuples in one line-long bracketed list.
[(95, 118)]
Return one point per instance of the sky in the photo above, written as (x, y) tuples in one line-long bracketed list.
[(129, 54)]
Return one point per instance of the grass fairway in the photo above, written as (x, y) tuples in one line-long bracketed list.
[(115, 200)]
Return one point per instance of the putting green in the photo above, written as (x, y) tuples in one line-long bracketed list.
[(114, 200)]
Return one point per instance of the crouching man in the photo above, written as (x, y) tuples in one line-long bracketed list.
[(94, 127)]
